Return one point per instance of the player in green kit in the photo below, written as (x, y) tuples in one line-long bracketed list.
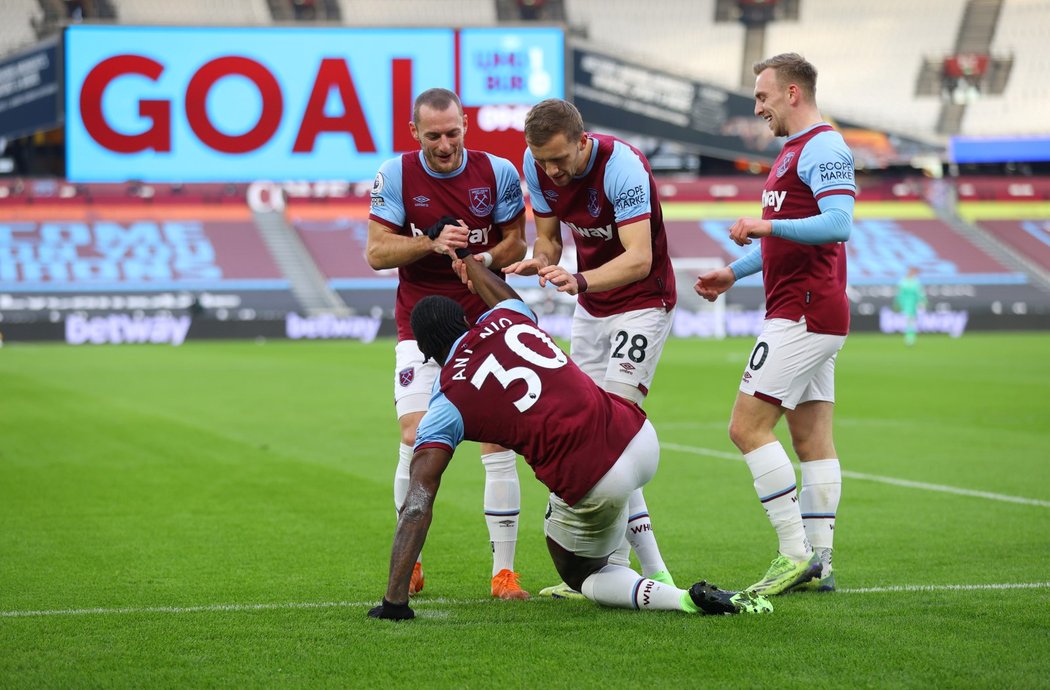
[(909, 300)]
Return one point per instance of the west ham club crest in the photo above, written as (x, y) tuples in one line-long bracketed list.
[(785, 164), (406, 376), (481, 201), (593, 206)]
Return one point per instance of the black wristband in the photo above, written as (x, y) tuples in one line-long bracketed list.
[(434, 230), (581, 283), (463, 252)]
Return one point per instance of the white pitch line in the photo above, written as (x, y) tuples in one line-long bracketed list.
[(942, 488), (945, 588), (423, 606), (216, 608)]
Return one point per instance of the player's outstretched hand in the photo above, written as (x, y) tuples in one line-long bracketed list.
[(712, 284), (744, 229), (392, 612), (559, 278), (525, 267)]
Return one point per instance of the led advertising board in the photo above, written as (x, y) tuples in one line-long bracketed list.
[(29, 93), (182, 104)]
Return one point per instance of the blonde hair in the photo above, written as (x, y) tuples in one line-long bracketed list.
[(791, 68)]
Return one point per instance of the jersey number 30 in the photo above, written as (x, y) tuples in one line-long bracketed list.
[(512, 337)]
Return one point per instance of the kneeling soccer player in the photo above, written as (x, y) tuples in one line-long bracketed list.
[(505, 381)]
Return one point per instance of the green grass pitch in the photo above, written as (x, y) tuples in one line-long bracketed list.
[(220, 515)]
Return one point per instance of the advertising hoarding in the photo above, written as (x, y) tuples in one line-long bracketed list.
[(29, 92), (621, 95), (191, 104)]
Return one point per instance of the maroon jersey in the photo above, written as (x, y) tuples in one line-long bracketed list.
[(507, 382), (805, 280), (614, 191), (484, 193)]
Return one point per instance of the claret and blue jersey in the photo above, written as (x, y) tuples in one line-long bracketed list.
[(809, 197), (408, 197), (616, 188), (506, 381)]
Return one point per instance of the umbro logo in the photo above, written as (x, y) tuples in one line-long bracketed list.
[(627, 367), (421, 200), (507, 523)]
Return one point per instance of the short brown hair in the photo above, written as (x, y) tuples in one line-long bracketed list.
[(791, 68), (550, 117), (436, 99)]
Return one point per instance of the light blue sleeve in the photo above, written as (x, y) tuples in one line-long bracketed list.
[(441, 424), (386, 193), (832, 224), (748, 264), (514, 305), (532, 182), (509, 200), (627, 184), (826, 165)]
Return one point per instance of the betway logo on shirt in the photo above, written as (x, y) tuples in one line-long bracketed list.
[(603, 233), (773, 198), (475, 236)]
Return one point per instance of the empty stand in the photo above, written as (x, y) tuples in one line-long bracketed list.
[(193, 12), (869, 54), (1029, 238), (677, 36), (438, 13), (16, 28), (1024, 106)]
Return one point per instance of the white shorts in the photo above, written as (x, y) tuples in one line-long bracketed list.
[(413, 380), (790, 365), (595, 526), (623, 348)]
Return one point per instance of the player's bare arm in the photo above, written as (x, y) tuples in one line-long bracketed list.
[(485, 283), (511, 248), (712, 284), (387, 249), (745, 229), (631, 266), (413, 522), (546, 251)]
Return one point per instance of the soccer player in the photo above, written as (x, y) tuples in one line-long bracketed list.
[(807, 213), (504, 379), (602, 188), (423, 204), (909, 300)]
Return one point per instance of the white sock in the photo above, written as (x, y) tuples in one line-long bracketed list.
[(622, 555), (623, 588), (502, 506), (775, 486), (818, 501), (404, 461), (640, 535)]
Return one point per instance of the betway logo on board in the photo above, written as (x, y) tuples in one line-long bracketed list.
[(117, 329), (327, 326)]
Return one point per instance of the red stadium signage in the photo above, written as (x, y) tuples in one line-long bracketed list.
[(332, 75)]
